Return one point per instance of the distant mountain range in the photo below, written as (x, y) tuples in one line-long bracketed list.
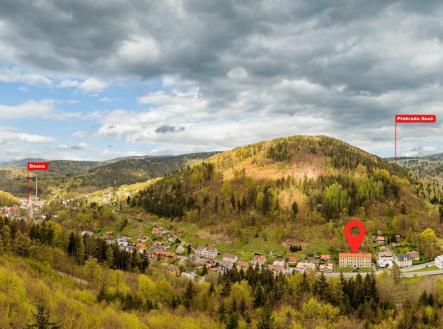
[(92, 175), (430, 166)]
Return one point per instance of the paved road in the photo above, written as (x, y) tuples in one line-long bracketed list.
[(345, 274), (76, 279), (425, 273), (417, 267)]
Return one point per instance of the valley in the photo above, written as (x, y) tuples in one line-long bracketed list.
[(246, 236)]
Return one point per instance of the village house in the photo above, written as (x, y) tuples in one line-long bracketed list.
[(380, 239), (207, 252), (13, 212), (292, 261), (354, 260), (305, 265), (403, 260), (141, 247), (189, 275), (230, 258), (159, 231), (259, 260), (328, 267), (172, 270), (280, 263), (208, 263), (160, 245), (385, 259), (180, 250), (325, 258), (415, 255), (162, 255), (109, 233), (124, 244), (276, 269), (438, 261), (225, 266), (242, 265)]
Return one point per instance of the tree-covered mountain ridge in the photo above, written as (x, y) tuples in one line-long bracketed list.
[(93, 175), (304, 179)]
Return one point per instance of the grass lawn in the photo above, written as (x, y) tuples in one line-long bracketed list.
[(133, 230), (413, 280), (347, 270), (426, 269)]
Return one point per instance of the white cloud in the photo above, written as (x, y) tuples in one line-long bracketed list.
[(43, 109), (8, 135), (139, 50), (27, 109), (421, 151), (68, 83), (90, 85), (76, 147), (15, 75), (79, 134)]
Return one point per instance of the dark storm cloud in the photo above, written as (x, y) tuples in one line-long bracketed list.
[(165, 129), (353, 63)]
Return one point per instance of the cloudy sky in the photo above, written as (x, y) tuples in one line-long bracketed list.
[(83, 79)]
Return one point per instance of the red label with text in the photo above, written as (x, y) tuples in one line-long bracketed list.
[(35, 166), (415, 118)]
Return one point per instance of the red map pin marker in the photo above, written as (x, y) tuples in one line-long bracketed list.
[(354, 241)]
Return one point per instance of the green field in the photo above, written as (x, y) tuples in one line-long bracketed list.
[(426, 269)]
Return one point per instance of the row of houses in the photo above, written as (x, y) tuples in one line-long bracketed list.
[(386, 259), (27, 209), (208, 255)]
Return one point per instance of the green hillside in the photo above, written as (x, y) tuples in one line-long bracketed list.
[(92, 175), (425, 167), (132, 170), (52, 279), (290, 189), (7, 199)]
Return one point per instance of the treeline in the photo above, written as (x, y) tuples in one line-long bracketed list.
[(201, 188), (130, 171), (353, 297), (171, 197), (24, 239), (342, 155), (334, 194), (256, 298), (8, 200)]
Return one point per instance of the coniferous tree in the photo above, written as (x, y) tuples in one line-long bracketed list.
[(221, 311), (232, 321), (42, 318), (266, 320), (189, 294), (6, 237)]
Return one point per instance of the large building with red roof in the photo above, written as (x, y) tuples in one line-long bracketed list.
[(354, 260)]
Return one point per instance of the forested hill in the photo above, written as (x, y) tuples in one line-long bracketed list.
[(132, 170), (424, 167), (7, 199), (92, 175), (310, 179)]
